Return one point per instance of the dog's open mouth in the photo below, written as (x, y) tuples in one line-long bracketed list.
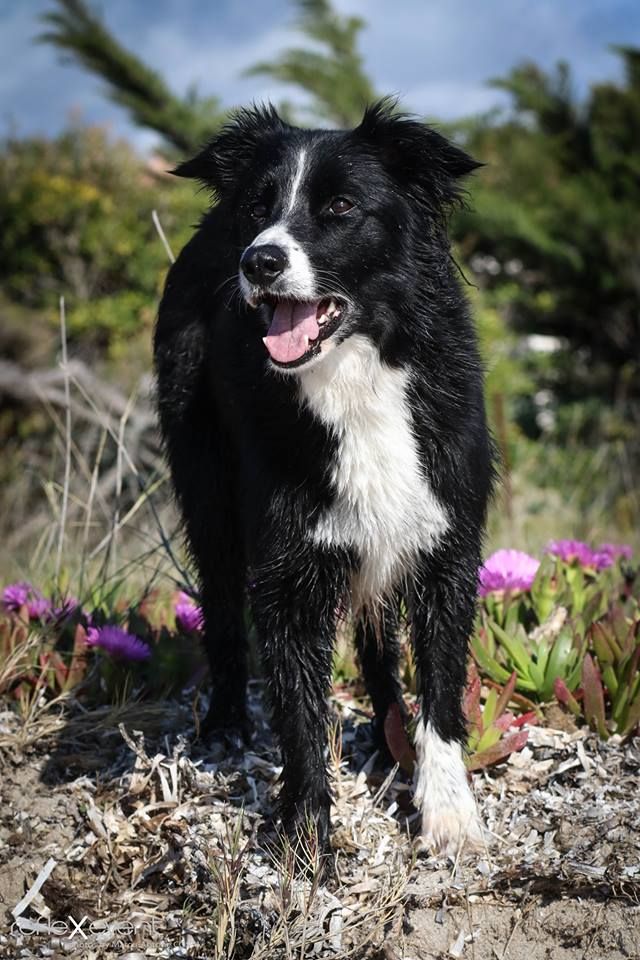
[(299, 327)]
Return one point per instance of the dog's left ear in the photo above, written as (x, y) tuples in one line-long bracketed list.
[(222, 160), (416, 154)]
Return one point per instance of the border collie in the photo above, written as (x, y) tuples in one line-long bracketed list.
[(321, 402)]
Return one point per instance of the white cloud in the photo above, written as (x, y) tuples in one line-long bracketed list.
[(436, 55), (416, 45), (452, 100)]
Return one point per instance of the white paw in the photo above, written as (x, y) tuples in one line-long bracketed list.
[(449, 815), (447, 830)]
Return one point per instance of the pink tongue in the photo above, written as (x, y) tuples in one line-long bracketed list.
[(293, 325)]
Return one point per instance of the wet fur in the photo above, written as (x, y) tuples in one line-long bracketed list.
[(255, 462)]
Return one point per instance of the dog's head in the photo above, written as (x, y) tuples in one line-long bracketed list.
[(327, 222)]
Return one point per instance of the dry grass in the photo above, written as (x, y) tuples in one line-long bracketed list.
[(576, 500), (174, 828), (177, 841)]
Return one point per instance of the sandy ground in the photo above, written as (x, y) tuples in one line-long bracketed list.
[(165, 848)]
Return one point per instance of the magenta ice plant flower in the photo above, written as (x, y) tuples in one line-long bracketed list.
[(16, 596), (608, 553), (507, 570), (572, 551), (189, 616), (118, 642), (595, 558)]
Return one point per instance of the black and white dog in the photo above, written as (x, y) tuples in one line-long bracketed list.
[(321, 402)]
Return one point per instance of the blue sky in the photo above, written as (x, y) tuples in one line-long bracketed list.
[(437, 54)]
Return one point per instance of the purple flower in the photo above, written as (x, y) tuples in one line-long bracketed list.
[(572, 551), (613, 552), (15, 596), (66, 609), (599, 558), (189, 616), (507, 570), (118, 642)]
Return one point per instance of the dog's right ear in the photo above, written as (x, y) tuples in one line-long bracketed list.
[(232, 149)]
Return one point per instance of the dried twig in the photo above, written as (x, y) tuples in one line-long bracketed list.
[(162, 235), (67, 451)]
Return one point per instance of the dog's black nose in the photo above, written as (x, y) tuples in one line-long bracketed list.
[(261, 265)]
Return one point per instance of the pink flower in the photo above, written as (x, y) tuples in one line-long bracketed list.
[(15, 596), (612, 552), (572, 551), (599, 558), (189, 616), (118, 642), (507, 570)]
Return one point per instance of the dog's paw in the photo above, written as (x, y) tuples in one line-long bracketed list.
[(229, 726), (449, 815), (447, 830)]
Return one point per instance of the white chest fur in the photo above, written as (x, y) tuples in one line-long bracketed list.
[(384, 507)]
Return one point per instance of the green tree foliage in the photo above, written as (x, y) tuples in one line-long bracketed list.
[(76, 220), (184, 123), (557, 214), (331, 72)]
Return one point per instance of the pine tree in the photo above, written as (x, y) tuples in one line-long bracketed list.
[(561, 197), (184, 123), (333, 75)]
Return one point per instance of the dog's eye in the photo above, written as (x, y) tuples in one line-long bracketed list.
[(258, 211), (339, 206)]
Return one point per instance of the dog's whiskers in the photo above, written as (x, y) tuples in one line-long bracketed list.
[(234, 276)]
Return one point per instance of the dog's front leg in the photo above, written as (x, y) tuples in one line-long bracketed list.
[(443, 608), (295, 607)]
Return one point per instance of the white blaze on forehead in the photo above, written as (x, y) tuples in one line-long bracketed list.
[(384, 506), (449, 815), (297, 280), (296, 181)]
